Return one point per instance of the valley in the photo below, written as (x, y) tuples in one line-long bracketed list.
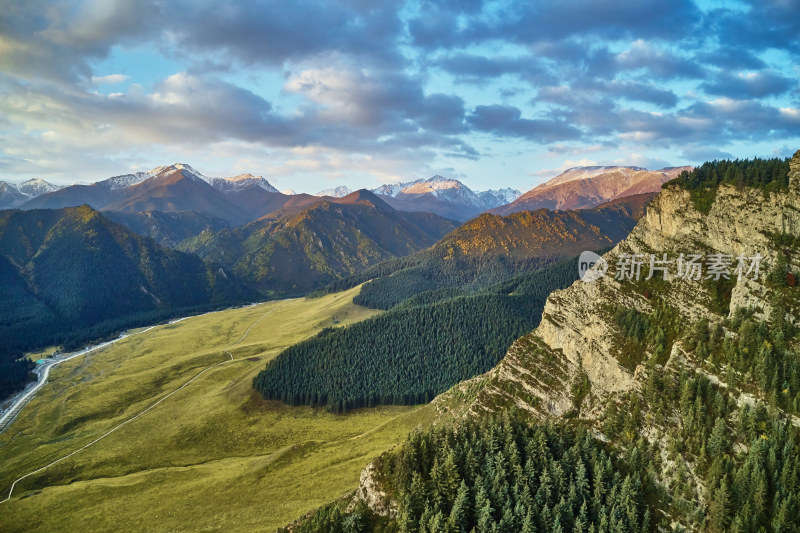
[(214, 454), (400, 267)]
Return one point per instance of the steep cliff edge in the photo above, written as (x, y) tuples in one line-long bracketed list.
[(578, 333)]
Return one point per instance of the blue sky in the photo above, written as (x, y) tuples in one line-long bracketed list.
[(362, 92)]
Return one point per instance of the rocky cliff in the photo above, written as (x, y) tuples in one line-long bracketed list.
[(578, 335)]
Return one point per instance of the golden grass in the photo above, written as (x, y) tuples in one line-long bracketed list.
[(214, 456)]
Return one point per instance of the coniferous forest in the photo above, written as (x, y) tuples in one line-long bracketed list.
[(504, 475), (415, 351), (702, 182)]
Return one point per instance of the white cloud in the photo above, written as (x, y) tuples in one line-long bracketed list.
[(110, 79)]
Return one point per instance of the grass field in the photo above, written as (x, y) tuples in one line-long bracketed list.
[(212, 457)]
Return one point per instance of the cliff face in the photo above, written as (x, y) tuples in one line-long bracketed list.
[(578, 334)]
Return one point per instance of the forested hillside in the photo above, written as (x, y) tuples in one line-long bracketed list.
[(293, 253), (168, 228), (415, 351), (71, 275), (490, 249), (501, 474)]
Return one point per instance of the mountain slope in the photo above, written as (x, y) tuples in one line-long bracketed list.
[(739, 222), (95, 195), (168, 228), (76, 275), (490, 249), (10, 196), (587, 187), (294, 252)]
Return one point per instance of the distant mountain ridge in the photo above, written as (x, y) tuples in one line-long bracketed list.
[(587, 187), (337, 192), (12, 196), (225, 184), (445, 197), (244, 198), (173, 188)]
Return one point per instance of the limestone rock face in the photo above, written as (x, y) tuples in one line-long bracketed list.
[(370, 491), (578, 334)]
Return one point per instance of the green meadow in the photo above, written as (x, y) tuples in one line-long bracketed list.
[(212, 457)]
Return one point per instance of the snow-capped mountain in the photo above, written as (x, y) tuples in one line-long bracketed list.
[(582, 173), (288, 192), (336, 192), (497, 197), (126, 180), (446, 197), (420, 186), (36, 187), (235, 183), (12, 196), (241, 182)]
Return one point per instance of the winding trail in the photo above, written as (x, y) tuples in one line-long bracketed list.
[(46, 372)]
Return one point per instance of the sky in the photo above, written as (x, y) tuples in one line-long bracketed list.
[(314, 94)]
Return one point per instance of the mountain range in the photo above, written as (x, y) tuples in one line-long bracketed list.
[(446, 197), (172, 188), (244, 198)]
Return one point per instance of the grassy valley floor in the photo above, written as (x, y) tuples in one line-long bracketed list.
[(213, 456)]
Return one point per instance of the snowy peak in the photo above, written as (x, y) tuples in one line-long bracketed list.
[(241, 182), (497, 197), (433, 186), (587, 187), (127, 180), (12, 196), (450, 190), (420, 186), (231, 184), (178, 166), (36, 187), (336, 192)]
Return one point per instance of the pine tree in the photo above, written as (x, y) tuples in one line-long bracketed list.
[(719, 510), (459, 515), (718, 441)]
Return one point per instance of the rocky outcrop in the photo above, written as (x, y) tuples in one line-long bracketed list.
[(370, 491), (577, 333)]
